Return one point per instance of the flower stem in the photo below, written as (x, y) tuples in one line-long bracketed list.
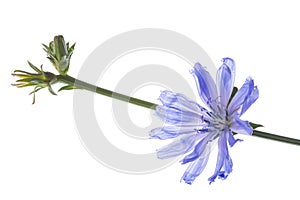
[(275, 137), (146, 104), (83, 85)]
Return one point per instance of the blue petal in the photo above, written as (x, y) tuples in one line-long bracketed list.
[(178, 100), (178, 147), (231, 64), (195, 169), (206, 86), (224, 162), (250, 100), (178, 109), (232, 140), (225, 80), (242, 94), (240, 126), (179, 117), (198, 150), (168, 132)]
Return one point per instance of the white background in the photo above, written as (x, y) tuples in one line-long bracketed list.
[(41, 156)]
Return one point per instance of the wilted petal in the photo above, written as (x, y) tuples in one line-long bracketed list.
[(225, 80), (242, 94), (250, 100), (178, 147), (240, 126), (206, 86)]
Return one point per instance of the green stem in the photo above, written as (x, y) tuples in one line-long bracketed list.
[(275, 137), (83, 85)]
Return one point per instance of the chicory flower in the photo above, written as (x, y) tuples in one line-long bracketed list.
[(199, 128)]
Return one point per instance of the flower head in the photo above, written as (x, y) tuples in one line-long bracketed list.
[(38, 80), (199, 128)]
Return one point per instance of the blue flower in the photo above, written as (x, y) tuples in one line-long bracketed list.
[(199, 129)]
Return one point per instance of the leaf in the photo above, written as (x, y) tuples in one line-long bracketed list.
[(21, 85), (46, 48), (35, 90), (255, 126), (51, 90), (71, 49), (26, 80), (21, 71), (34, 67), (67, 87)]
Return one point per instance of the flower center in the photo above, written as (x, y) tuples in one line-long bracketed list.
[(219, 121)]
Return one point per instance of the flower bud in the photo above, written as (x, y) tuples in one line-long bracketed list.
[(59, 54)]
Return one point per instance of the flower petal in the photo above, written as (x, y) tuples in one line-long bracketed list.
[(241, 95), (179, 117), (167, 132), (206, 86), (232, 140), (177, 109), (224, 162), (250, 100), (225, 80), (177, 100), (195, 169), (179, 147), (198, 150), (240, 126)]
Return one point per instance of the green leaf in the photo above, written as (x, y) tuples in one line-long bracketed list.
[(35, 90), (71, 49), (51, 90), (34, 67), (255, 126), (27, 80), (22, 75), (21, 85), (67, 87), (46, 48)]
